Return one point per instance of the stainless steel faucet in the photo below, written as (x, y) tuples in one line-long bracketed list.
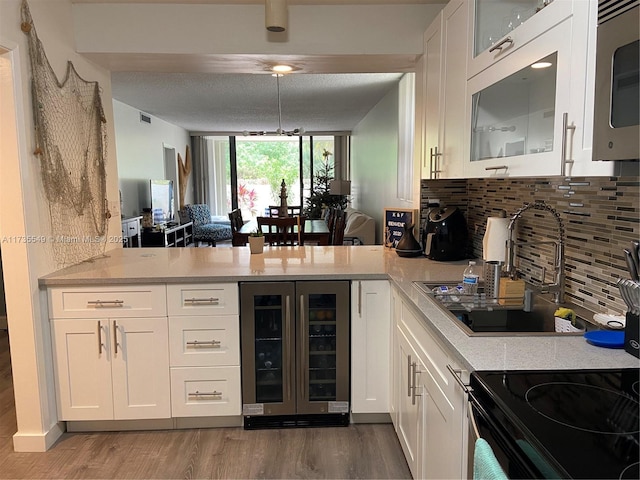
[(557, 287)]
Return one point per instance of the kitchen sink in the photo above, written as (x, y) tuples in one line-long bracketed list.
[(479, 316)]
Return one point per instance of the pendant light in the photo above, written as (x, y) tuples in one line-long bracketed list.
[(280, 131), (275, 18)]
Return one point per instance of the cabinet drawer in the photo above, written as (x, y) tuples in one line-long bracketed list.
[(108, 302), (203, 299), (204, 341), (205, 391)]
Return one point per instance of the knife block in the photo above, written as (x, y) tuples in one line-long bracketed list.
[(632, 335)]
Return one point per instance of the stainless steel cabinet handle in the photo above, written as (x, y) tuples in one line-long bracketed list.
[(498, 167), (205, 394), (409, 377), (414, 372), (209, 343), (359, 299), (434, 163), (115, 337), (499, 46), (105, 303), (202, 301), (99, 338), (565, 128)]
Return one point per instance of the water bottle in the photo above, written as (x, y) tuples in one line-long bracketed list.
[(470, 279)]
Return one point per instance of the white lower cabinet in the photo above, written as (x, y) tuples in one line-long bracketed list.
[(430, 406), (112, 369), (204, 344), (370, 331), (205, 391)]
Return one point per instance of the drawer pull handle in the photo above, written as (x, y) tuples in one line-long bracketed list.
[(209, 343), (202, 301), (205, 394), (105, 303), (498, 167)]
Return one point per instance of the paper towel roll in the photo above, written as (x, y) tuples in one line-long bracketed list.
[(494, 242)]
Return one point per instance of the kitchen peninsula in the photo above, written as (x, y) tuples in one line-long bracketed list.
[(173, 317), (222, 265)]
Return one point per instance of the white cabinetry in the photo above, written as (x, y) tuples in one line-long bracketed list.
[(370, 344), (431, 421), (517, 124), (204, 345), (445, 74), (111, 356)]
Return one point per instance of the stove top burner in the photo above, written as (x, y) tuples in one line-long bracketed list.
[(631, 472), (564, 402)]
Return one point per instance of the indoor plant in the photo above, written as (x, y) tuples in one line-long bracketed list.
[(256, 241)]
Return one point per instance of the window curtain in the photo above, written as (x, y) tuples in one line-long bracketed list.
[(210, 165), (201, 147)]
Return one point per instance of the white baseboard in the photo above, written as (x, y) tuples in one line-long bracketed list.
[(370, 418), (37, 442)]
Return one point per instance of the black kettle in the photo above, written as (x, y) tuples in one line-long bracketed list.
[(445, 234)]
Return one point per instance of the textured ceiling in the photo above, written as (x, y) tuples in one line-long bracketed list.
[(236, 102), (318, 100)]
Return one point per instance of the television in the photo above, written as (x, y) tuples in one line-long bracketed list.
[(162, 200)]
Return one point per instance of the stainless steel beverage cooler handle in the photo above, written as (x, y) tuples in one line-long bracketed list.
[(304, 356), (287, 332)]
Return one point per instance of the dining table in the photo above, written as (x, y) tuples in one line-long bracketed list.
[(315, 231)]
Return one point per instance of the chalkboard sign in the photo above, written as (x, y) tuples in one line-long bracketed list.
[(394, 220)]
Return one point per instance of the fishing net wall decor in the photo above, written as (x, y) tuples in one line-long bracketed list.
[(70, 135)]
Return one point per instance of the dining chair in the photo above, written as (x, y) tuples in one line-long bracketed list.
[(340, 223), (292, 210), (235, 218), (287, 231)]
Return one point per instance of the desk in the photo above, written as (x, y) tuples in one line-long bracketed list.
[(131, 231), (314, 231), (176, 236)]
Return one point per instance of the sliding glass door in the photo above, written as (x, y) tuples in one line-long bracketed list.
[(247, 172)]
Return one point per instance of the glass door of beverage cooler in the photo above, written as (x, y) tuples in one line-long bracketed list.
[(323, 347), (267, 323)]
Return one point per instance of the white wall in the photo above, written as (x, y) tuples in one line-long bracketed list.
[(374, 161), (24, 211), (140, 150)]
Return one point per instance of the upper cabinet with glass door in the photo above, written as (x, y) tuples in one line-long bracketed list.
[(500, 27), (530, 105)]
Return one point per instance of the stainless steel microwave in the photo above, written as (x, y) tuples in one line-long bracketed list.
[(616, 132)]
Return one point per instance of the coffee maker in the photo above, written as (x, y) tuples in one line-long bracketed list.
[(445, 234)]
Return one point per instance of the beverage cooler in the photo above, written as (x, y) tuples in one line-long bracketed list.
[(295, 353)]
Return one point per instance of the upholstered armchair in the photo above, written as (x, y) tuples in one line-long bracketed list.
[(204, 230)]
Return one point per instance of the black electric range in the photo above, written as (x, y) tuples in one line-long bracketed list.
[(561, 424)]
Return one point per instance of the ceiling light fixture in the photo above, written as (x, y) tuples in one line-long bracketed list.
[(275, 15), (280, 130), (281, 68)]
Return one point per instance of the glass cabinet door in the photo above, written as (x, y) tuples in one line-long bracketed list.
[(267, 348), (515, 116), (494, 19), (323, 347)]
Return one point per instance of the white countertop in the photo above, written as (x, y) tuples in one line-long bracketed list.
[(189, 265)]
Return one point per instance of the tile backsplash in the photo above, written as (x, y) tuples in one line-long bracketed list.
[(601, 216)]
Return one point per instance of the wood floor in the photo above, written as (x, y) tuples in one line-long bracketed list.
[(357, 451)]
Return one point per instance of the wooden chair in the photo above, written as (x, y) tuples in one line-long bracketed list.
[(292, 210), (235, 217), (284, 231), (331, 220), (340, 223)]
